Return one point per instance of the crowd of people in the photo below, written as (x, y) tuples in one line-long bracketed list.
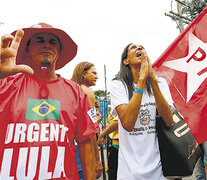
[(50, 127)]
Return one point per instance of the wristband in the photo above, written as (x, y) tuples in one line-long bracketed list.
[(138, 91)]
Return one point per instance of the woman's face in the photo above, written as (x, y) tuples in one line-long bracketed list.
[(135, 53), (90, 77)]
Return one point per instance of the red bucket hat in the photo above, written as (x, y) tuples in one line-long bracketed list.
[(69, 48)]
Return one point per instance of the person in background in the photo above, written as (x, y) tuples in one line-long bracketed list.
[(112, 130), (205, 162), (200, 170), (42, 113), (136, 94), (98, 114), (85, 75)]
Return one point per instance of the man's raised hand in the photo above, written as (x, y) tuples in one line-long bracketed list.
[(8, 53)]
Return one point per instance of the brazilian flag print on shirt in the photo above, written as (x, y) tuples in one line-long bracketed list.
[(40, 109)]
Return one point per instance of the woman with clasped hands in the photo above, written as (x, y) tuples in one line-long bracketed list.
[(135, 95)]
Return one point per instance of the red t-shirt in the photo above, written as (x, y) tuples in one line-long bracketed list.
[(39, 122)]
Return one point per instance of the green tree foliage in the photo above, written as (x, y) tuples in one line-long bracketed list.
[(100, 93)]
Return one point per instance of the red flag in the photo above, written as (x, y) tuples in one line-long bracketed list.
[(184, 65)]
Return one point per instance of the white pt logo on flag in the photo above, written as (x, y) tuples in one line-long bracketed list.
[(194, 64)]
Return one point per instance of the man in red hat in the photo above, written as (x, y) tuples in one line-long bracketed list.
[(42, 113)]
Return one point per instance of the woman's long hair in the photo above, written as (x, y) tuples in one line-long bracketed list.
[(125, 74), (79, 71)]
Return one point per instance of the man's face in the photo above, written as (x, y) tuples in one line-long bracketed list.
[(44, 49)]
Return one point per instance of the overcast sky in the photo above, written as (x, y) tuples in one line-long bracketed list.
[(101, 28)]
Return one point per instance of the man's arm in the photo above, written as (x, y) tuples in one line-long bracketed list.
[(87, 158), (98, 164)]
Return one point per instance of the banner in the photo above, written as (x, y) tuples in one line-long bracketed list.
[(184, 66)]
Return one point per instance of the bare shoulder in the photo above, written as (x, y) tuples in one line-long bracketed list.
[(90, 94), (88, 90)]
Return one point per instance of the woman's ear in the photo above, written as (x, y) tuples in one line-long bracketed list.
[(126, 62)]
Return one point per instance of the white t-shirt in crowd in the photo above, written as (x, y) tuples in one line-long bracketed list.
[(139, 157)]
